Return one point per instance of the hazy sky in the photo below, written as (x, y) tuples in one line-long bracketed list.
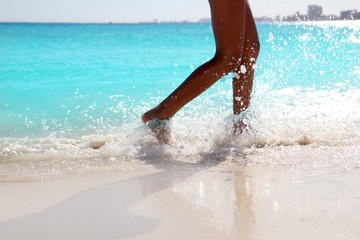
[(147, 10)]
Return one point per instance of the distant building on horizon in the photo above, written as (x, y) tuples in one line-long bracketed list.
[(349, 14), (314, 12)]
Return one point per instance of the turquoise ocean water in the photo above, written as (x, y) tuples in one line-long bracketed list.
[(63, 86)]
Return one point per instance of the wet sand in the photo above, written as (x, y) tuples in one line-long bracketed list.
[(224, 201)]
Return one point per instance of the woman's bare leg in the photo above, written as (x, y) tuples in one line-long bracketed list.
[(228, 22), (244, 73)]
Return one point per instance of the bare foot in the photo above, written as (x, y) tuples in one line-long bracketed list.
[(160, 128), (239, 127)]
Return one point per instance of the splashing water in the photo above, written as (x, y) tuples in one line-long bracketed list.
[(64, 87)]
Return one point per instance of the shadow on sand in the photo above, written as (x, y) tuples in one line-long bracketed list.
[(87, 215)]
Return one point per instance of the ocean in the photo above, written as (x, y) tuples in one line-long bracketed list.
[(66, 86)]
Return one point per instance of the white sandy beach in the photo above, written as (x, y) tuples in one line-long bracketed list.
[(182, 202)]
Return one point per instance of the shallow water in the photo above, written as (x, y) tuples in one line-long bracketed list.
[(66, 86)]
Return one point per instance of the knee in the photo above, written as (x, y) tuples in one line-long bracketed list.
[(227, 61), (252, 48), (230, 60), (249, 57), (256, 47)]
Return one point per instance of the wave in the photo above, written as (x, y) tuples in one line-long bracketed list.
[(294, 127)]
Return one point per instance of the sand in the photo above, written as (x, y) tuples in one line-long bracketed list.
[(186, 202)]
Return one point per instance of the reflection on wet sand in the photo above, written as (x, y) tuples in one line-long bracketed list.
[(182, 201), (226, 197), (260, 203)]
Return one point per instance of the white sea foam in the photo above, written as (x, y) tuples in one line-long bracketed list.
[(295, 127)]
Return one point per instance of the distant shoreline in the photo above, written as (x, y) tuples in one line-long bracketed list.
[(103, 23), (162, 23)]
